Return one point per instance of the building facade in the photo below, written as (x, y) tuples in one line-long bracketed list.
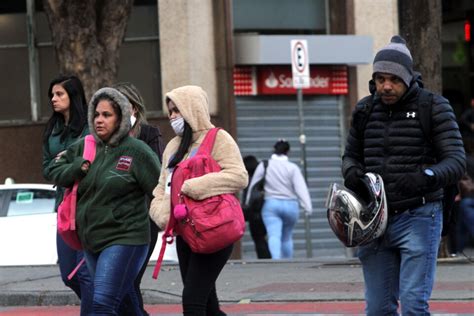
[(239, 52)]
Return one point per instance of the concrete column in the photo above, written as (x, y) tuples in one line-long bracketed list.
[(187, 49), (378, 19)]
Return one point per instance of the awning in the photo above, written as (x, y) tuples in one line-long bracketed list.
[(253, 49)]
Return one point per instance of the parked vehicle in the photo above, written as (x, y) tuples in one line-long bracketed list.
[(28, 226)]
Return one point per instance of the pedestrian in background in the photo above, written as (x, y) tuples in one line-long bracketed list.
[(466, 123), (151, 135), (67, 124), (254, 217), (188, 110), (401, 264), (465, 217), (285, 189), (112, 217), (140, 128)]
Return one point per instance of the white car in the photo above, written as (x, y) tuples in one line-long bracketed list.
[(28, 226)]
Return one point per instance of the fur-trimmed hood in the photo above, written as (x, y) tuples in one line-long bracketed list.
[(124, 105), (193, 104)]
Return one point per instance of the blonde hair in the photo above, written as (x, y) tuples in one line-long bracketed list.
[(136, 100)]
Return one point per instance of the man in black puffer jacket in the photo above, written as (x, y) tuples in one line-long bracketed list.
[(390, 141)]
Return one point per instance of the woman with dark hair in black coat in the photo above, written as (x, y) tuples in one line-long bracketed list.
[(67, 124)]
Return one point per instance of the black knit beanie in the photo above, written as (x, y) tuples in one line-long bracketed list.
[(395, 59)]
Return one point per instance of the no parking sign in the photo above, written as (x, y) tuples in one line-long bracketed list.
[(300, 63)]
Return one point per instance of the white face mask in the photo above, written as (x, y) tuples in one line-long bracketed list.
[(133, 119), (178, 125)]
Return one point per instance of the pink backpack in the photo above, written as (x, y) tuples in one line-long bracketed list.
[(207, 225), (67, 208)]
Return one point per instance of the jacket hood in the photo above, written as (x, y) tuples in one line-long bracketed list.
[(124, 105), (193, 104)]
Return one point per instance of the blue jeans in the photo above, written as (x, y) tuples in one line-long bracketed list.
[(114, 271), (81, 283), (402, 263), (280, 217)]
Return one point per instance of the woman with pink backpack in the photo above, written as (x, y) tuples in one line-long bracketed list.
[(188, 109)]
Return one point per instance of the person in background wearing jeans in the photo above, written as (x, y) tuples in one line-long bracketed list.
[(112, 216), (401, 264), (67, 124), (151, 135), (284, 188), (188, 111)]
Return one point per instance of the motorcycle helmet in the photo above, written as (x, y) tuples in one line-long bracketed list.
[(354, 220)]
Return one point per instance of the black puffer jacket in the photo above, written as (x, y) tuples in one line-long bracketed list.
[(393, 144)]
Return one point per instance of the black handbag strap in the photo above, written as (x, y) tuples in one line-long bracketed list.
[(265, 165)]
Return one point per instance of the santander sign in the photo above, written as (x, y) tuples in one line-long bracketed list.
[(323, 80), (283, 81)]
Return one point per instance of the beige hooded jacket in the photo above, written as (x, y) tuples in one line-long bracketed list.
[(193, 104)]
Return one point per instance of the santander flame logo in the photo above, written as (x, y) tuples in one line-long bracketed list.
[(271, 81)]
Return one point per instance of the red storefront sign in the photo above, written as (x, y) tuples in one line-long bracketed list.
[(255, 80), (245, 82), (324, 80)]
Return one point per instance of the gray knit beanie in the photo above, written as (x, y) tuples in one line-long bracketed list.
[(395, 59)]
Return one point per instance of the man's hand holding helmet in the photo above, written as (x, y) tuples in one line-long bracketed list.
[(353, 179), (354, 182)]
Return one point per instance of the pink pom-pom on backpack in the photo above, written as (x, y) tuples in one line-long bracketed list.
[(180, 211)]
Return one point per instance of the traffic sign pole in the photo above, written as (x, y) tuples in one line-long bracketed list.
[(301, 79), (307, 223)]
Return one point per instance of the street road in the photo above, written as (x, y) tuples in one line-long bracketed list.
[(244, 308)]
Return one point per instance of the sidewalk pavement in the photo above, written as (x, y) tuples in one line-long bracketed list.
[(310, 280)]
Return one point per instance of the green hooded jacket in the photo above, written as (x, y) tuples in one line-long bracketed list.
[(111, 207)]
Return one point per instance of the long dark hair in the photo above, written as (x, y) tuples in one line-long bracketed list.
[(186, 140), (77, 109)]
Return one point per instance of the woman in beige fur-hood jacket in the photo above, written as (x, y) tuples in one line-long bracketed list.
[(188, 108)]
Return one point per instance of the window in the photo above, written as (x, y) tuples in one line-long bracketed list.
[(280, 16), (139, 59), (20, 202)]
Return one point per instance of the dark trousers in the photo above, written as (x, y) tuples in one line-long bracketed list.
[(259, 235), (126, 309), (199, 273)]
